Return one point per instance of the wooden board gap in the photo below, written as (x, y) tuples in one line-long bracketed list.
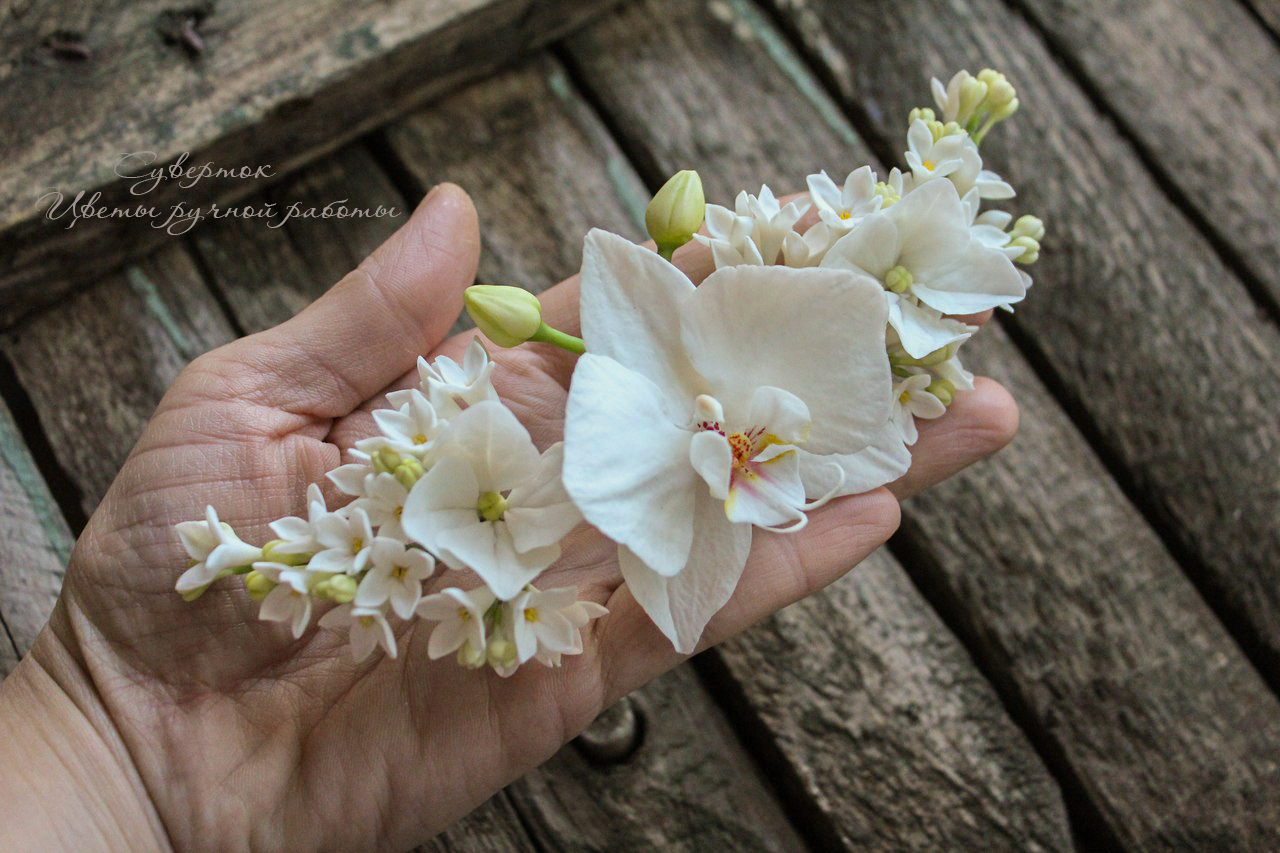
[(63, 488)]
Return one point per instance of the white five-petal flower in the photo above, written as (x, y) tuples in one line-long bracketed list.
[(491, 502), (460, 618), (396, 577), (368, 629), (215, 548)]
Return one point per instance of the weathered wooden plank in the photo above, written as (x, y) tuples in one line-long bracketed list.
[(1154, 343), (540, 167), (34, 546), (268, 271), (97, 366), (1173, 736), (273, 84), (999, 788), (493, 828), (1269, 12), (1175, 676), (688, 786), (1197, 87), (888, 727)]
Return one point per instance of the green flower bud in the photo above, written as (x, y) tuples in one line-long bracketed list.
[(887, 193), (271, 555), (898, 279), (502, 653), (341, 588), (1028, 226), (924, 114), (408, 472), (491, 506), (676, 212), (936, 357), (195, 593), (386, 461), (258, 585), (943, 389), (972, 93), (1030, 250), (508, 316), (470, 657)]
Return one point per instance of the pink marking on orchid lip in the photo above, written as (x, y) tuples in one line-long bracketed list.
[(710, 426)]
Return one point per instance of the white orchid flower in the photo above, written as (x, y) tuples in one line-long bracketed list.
[(716, 408)]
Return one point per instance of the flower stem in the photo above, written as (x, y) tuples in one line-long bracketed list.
[(548, 335)]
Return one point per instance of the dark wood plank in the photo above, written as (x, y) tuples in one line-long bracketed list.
[(493, 828), (688, 786), (887, 726), (96, 367), (1168, 666), (540, 167), (34, 546), (1049, 571), (1155, 346), (1197, 85), (276, 84), (268, 271)]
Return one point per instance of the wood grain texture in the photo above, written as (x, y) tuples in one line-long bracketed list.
[(1157, 347), (1268, 11), (96, 367), (543, 171), (276, 83), (540, 167), (1055, 578), (888, 727), (688, 786), (1197, 86), (493, 828), (1106, 687), (34, 546), (268, 270)]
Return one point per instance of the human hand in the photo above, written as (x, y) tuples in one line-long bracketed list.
[(200, 725)]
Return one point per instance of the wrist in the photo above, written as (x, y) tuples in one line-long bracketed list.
[(66, 779)]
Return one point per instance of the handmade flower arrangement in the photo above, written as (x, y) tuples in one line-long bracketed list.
[(792, 375)]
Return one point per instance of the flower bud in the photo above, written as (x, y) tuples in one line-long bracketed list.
[(408, 472), (898, 279), (943, 389), (341, 588), (258, 585), (470, 657), (1028, 226), (508, 316), (502, 653), (1030, 249), (386, 460), (676, 212), (491, 506), (271, 555)]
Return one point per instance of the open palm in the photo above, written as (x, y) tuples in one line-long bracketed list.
[(242, 736)]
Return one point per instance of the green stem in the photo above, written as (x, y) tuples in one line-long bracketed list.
[(548, 335), (666, 250)]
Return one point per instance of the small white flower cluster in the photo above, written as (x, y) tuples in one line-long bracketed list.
[(452, 480), (920, 233), (793, 374)]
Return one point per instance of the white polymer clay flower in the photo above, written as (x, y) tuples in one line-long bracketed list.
[(368, 629), (451, 387), (546, 624), (912, 400), (842, 207), (754, 231), (460, 628), (697, 413), (491, 502), (922, 251), (215, 549)]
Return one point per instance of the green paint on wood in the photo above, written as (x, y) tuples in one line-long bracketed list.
[(777, 50), (626, 187), (155, 307), (16, 458)]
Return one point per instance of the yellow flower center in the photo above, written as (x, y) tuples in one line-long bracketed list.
[(531, 614)]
